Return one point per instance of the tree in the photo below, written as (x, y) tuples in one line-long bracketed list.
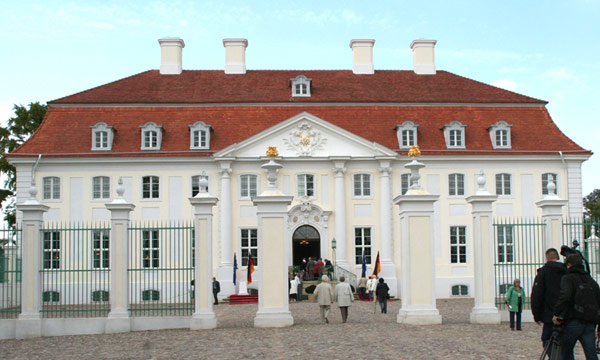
[(18, 129), (591, 203)]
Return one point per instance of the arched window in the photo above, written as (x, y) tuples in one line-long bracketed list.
[(199, 135), (151, 136), (500, 135), (102, 137)]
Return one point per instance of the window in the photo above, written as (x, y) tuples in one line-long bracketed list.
[(458, 245), (102, 137), (100, 296), (51, 188), (248, 186), (362, 185), (362, 243), (306, 185), (460, 290), (51, 249), (199, 136), (407, 134), (101, 187), (150, 249), (504, 235), (500, 135), (150, 187), (301, 86), (503, 184), (455, 135), (503, 288), (545, 178), (456, 184), (249, 246), (101, 249), (51, 296), (404, 183), (150, 295), (196, 184), (151, 136)]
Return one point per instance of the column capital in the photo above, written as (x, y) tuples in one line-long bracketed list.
[(339, 171), (225, 172), (385, 171)]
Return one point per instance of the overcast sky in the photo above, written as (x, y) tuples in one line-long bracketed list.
[(545, 49)]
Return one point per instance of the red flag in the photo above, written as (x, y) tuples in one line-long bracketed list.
[(377, 267), (250, 270)]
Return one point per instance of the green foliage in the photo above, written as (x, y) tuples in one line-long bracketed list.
[(591, 203), (17, 130)]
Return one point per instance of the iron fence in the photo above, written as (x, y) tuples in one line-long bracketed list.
[(161, 268), (10, 272), (75, 269), (586, 234)]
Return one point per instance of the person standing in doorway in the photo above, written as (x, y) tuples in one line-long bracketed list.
[(298, 279), (324, 295), (309, 268), (318, 268), (216, 287), (344, 297), (383, 294), (515, 297)]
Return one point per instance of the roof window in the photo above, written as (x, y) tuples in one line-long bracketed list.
[(301, 86)]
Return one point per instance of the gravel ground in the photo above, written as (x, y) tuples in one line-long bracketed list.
[(365, 335)]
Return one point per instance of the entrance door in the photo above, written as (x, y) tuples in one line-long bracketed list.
[(306, 243)]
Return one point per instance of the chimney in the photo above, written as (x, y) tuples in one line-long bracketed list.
[(235, 55), (423, 56), (362, 56), (170, 55)]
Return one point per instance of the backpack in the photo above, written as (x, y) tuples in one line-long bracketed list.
[(585, 302)]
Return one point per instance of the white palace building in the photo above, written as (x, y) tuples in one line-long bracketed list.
[(342, 137)]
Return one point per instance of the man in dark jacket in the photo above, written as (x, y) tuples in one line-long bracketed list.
[(545, 292), (382, 293), (576, 327), (216, 287)]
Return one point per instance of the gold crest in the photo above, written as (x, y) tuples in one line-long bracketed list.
[(414, 151), (272, 151)]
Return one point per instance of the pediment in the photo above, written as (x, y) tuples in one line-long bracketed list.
[(303, 136)]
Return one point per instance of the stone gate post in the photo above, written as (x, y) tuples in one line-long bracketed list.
[(552, 216), (484, 311), (202, 204), (118, 319), (29, 322)]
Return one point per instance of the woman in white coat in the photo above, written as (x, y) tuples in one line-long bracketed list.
[(293, 289), (344, 297)]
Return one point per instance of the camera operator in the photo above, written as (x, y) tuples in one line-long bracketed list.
[(577, 308), (545, 292)]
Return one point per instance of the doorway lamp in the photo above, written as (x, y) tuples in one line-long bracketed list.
[(333, 246)]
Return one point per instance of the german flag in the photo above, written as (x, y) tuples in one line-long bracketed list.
[(250, 270), (377, 267)]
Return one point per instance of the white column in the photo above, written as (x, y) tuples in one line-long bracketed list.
[(204, 315), (484, 311), (29, 323), (388, 268), (552, 216), (340, 215), (118, 319), (225, 270)]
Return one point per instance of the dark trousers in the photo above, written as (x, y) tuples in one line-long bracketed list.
[(512, 318), (383, 305), (547, 333), (299, 295), (215, 296), (344, 311), (585, 333)]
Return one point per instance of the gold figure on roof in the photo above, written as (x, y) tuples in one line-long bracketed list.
[(414, 151), (272, 151)]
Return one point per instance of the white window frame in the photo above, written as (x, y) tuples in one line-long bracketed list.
[(504, 247), (404, 183), (97, 129), (455, 243), (494, 129), (248, 187), (196, 179), (55, 188), (460, 128), (503, 184), (314, 177), (147, 127), (151, 198), (105, 181), (359, 234), (459, 287), (151, 250), (54, 252), (456, 190), (545, 182), (101, 253), (301, 80), (362, 188), (404, 127), (199, 126), (249, 233)]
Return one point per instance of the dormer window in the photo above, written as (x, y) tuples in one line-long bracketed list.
[(301, 86), (500, 135), (407, 134), (151, 136), (199, 136), (455, 135), (102, 137)]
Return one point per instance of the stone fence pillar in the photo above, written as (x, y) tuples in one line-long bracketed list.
[(552, 216)]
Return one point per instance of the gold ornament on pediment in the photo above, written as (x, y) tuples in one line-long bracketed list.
[(304, 140), (414, 151), (272, 151)]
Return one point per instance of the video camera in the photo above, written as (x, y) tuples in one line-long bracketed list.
[(565, 251)]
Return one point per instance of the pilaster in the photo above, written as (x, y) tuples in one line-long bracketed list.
[(388, 268), (225, 270), (340, 214)]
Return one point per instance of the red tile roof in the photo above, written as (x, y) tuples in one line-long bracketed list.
[(269, 86), (66, 131)]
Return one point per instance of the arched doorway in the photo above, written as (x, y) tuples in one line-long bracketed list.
[(306, 242)]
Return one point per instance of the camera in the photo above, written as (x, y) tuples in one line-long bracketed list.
[(565, 251)]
